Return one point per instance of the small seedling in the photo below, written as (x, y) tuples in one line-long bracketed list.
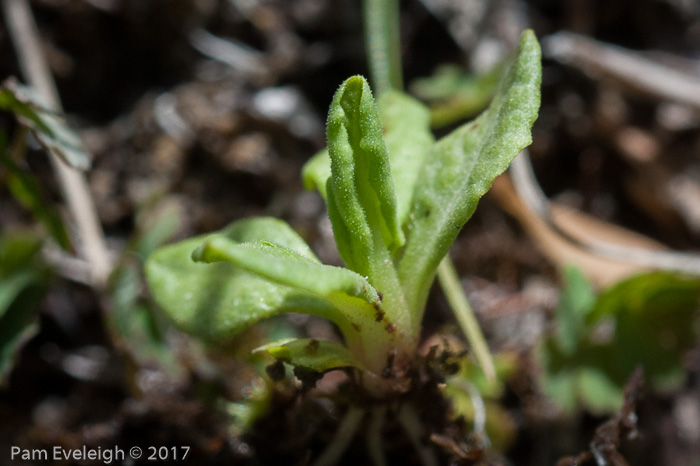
[(396, 199)]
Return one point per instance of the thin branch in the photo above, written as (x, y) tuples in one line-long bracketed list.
[(449, 280), (343, 436), (383, 44), (530, 192), (90, 242)]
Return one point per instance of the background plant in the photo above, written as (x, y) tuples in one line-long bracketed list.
[(647, 321)]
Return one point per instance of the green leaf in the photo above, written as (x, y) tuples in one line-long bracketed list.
[(25, 188), (12, 286), (454, 94), (576, 301), (408, 139), (22, 286), (286, 267), (18, 250), (461, 168), (597, 391), (19, 323), (312, 354), (354, 300), (406, 124), (132, 316), (360, 191), (217, 301), (361, 198), (49, 128), (471, 381), (585, 379), (656, 322), (316, 172)]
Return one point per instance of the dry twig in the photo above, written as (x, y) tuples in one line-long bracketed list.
[(90, 242)]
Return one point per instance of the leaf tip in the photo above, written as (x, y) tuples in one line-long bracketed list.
[(198, 254)]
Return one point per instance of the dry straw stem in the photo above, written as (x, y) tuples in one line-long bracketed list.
[(531, 194), (90, 242), (624, 66)]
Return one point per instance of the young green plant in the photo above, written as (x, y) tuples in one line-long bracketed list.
[(396, 199)]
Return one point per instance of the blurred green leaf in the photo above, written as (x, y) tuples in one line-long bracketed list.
[(576, 301), (408, 139), (316, 172), (48, 126), (656, 317), (582, 380), (18, 251), (12, 286), (132, 316), (455, 94), (505, 365), (25, 188), (22, 286), (598, 391), (256, 404)]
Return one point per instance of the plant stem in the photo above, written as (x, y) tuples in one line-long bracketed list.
[(449, 280), (383, 44), (91, 242)]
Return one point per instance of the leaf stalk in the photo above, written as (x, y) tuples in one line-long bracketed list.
[(449, 280)]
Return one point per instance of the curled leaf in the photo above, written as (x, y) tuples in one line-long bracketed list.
[(360, 191), (406, 125)]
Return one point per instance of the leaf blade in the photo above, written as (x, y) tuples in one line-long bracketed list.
[(408, 139), (284, 266), (217, 301), (461, 168)]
